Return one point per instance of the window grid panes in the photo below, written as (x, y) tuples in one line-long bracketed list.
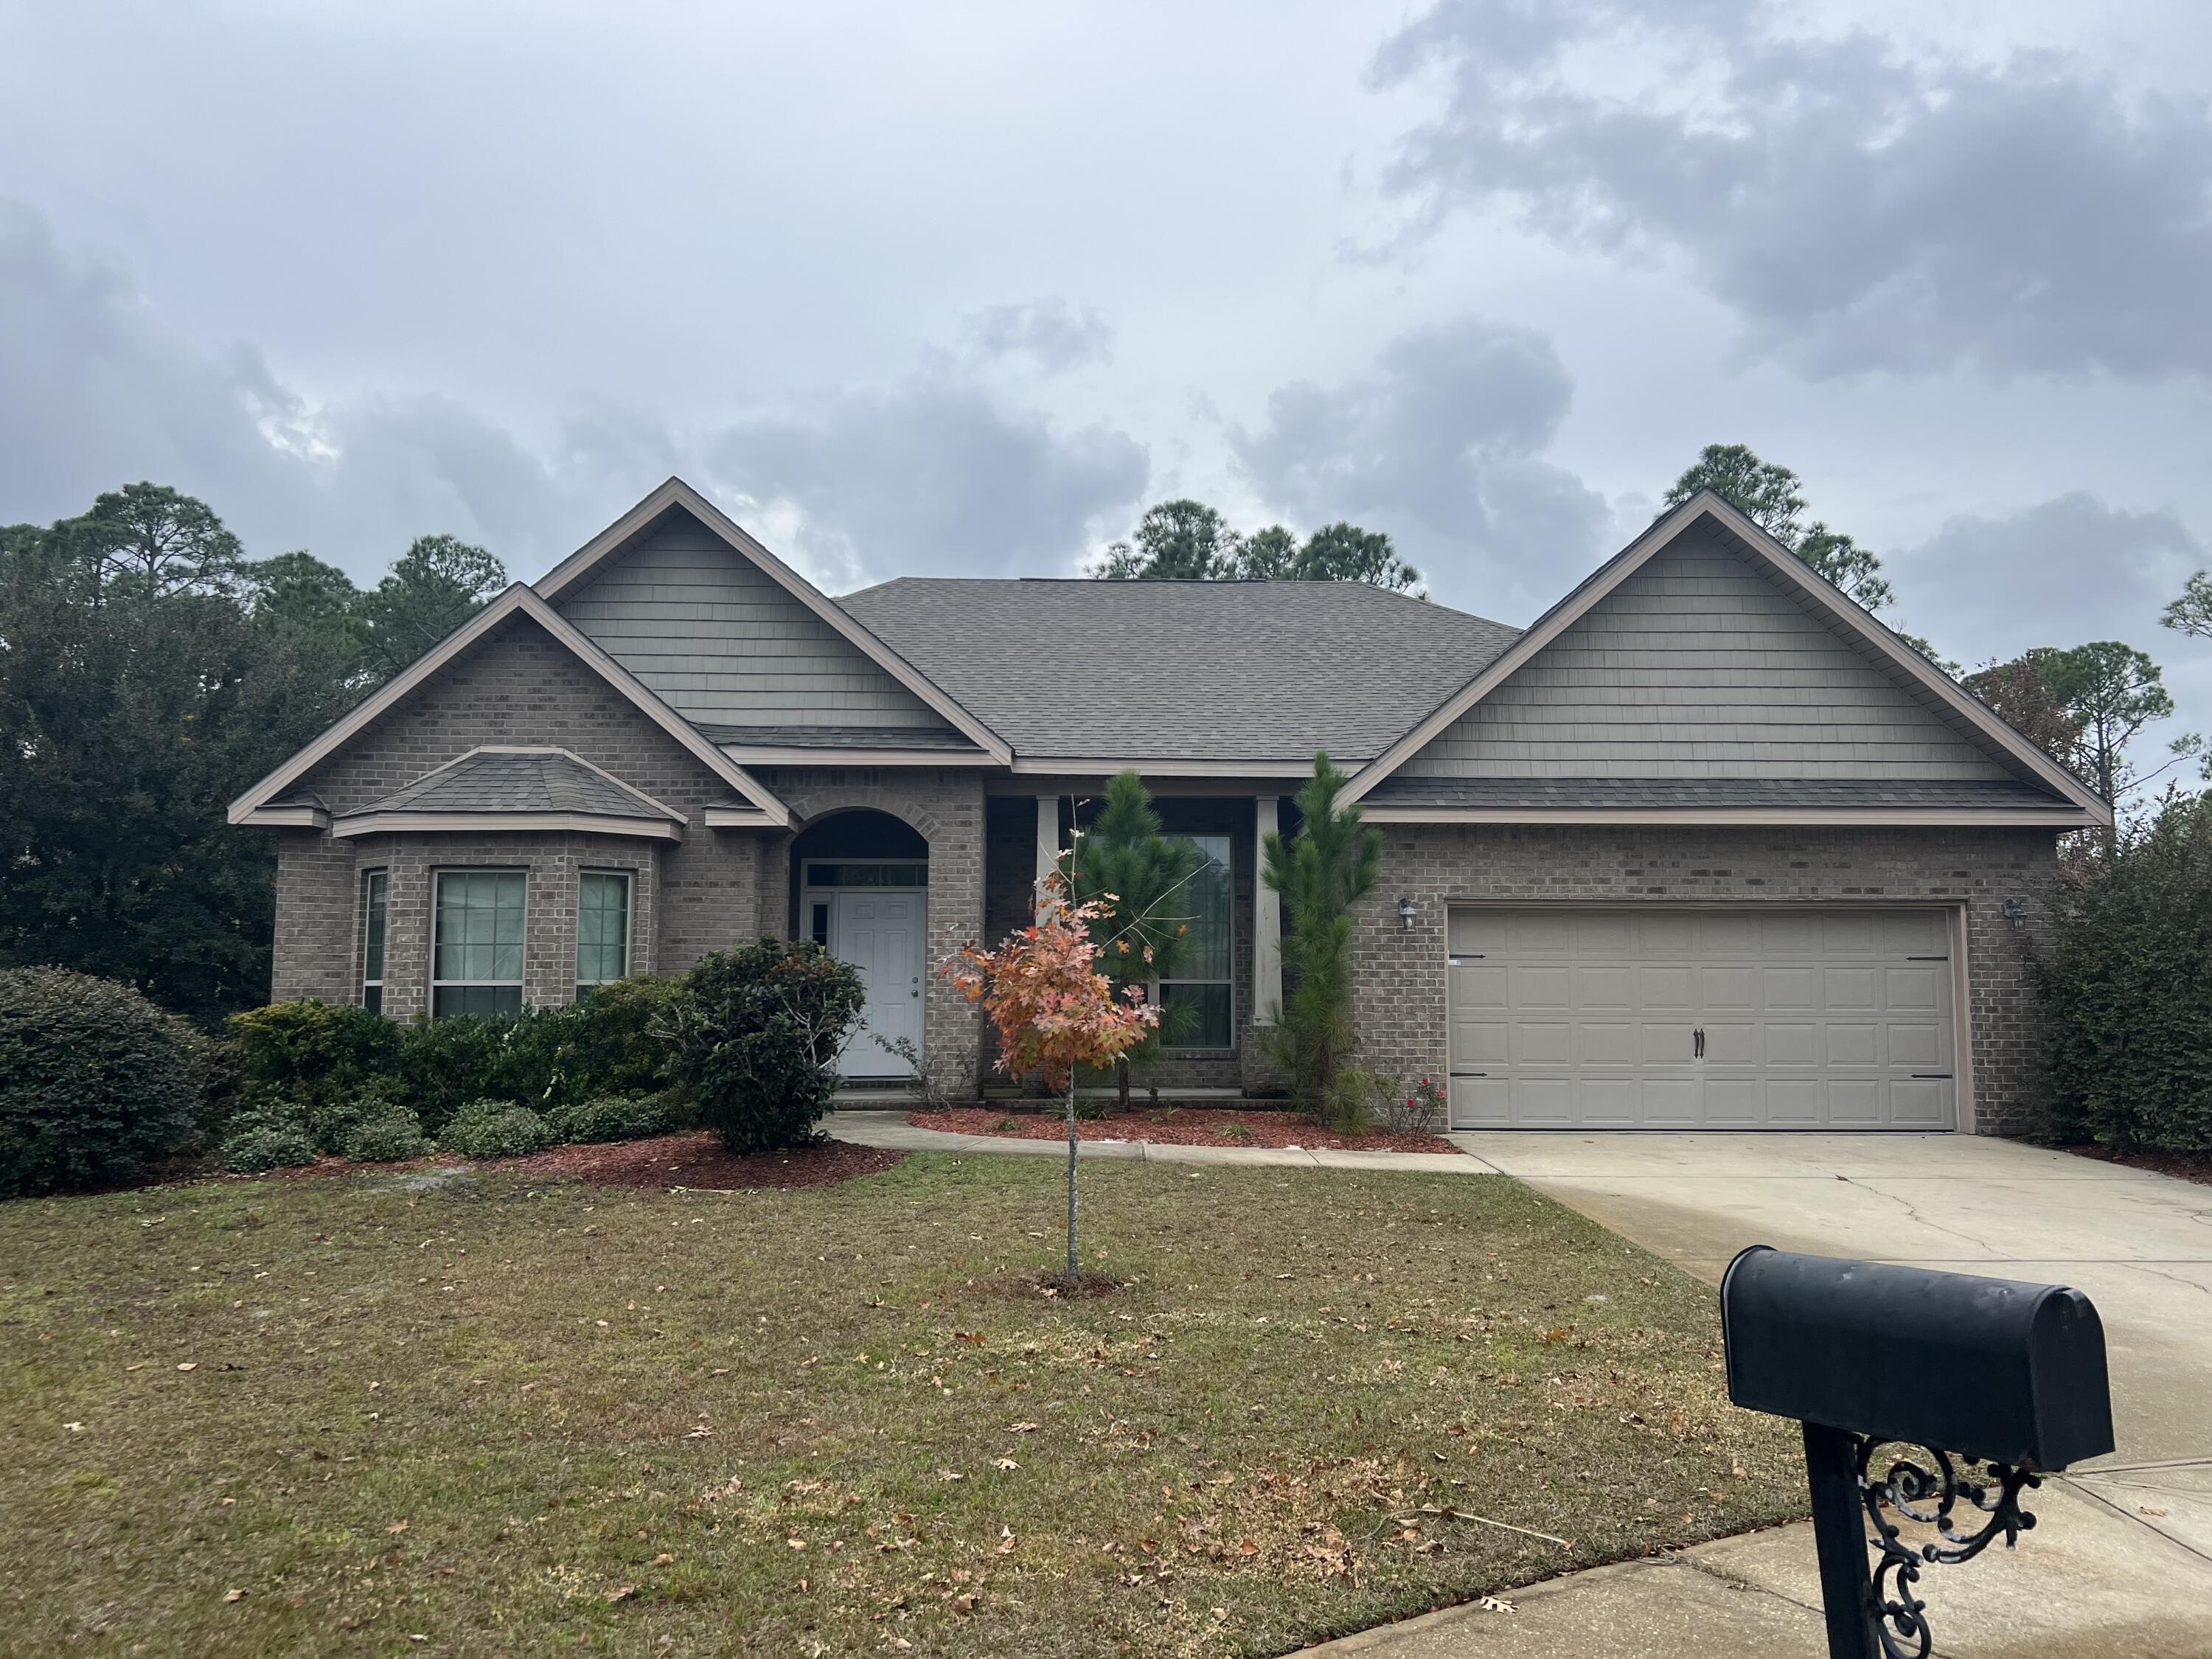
[(372, 951), (602, 927), (477, 962), (1200, 987)]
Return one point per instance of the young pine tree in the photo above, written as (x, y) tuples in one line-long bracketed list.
[(1322, 872), (1140, 879)]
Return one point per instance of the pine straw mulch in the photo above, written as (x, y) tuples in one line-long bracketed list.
[(2183, 1166), (1177, 1126)]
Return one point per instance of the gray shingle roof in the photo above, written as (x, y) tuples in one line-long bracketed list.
[(1662, 793), (835, 737), (518, 780), (1182, 670)]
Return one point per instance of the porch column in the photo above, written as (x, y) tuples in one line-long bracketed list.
[(1047, 842), (1266, 918)]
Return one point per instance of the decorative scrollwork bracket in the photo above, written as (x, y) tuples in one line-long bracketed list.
[(1925, 1485)]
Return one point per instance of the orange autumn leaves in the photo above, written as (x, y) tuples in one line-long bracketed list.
[(1041, 989)]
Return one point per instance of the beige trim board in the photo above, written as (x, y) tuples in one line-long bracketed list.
[(677, 493), (1810, 817), (441, 824), (745, 756), (740, 818), (1055, 766), (517, 598), (1782, 562), (284, 818)]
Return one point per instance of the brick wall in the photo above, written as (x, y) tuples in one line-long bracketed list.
[(1400, 990), (518, 686)]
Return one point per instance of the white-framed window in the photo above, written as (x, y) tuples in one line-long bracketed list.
[(1199, 1002), (602, 927), (374, 886), (477, 956)]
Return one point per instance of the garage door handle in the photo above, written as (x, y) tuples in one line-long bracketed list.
[(1698, 1043)]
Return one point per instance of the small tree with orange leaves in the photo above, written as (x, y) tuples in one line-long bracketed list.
[(1055, 1010)]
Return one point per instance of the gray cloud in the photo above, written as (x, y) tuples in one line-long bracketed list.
[(2060, 573), (1050, 332), (935, 473), (932, 475), (1856, 210), (1440, 444)]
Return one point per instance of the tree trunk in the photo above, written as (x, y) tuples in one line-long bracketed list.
[(1070, 1177), (1121, 1080)]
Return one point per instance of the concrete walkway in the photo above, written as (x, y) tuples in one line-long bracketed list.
[(2120, 1566), (891, 1129)]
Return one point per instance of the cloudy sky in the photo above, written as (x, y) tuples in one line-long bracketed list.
[(960, 287)]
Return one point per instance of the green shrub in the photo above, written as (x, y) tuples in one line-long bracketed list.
[(266, 1147), (312, 1050), (496, 1128), (330, 1123), (755, 1032), (93, 1085), (2129, 992), (442, 1064), (212, 1063), (395, 1135), (600, 1046), (615, 1117)]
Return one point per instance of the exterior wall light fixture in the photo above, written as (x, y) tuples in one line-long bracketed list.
[(1407, 911), (2015, 912)]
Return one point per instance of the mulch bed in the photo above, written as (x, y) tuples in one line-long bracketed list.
[(699, 1161), (2188, 1166), (1190, 1126)]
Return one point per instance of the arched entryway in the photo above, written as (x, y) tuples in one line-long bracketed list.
[(859, 887)]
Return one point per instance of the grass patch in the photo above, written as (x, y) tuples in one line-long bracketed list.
[(509, 1416)]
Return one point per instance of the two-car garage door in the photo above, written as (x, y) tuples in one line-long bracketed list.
[(1674, 1018)]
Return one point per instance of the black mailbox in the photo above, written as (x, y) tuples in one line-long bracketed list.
[(2001, 1371), (1902, 1381)]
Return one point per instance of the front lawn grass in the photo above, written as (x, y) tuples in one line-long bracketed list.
[(375, 1415)]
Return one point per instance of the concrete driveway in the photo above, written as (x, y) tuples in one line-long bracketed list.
[(2120, 1566)]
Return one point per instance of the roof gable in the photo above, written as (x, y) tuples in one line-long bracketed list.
[(520, 604), (1707, 651), (728, 635)]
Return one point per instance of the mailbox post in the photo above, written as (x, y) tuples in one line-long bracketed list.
[(1979, 1387)]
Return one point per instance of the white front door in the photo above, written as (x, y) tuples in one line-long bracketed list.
[(881, 935)]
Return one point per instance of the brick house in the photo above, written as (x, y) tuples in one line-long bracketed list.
[(1706, 846)]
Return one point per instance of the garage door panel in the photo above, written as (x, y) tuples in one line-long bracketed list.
[(1791, 1043), (1918, 1046), (1665, 1102), (1542, 1042), (1669, 987), (1607, 989), (1812, 1018), (1794, 1102), (1608, 1042), (1732, 989), (1853, 1044), (1789, 990), (1855, 1102), (1610, 1103), (1479, 1104), (1916, 1103), (1543, 1102), (1478, 1044), (1543, 988)]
